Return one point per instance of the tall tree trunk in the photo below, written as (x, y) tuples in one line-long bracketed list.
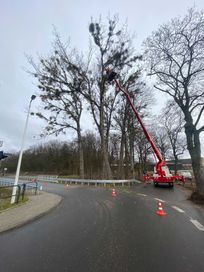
[(107, 174), (81, 161), (193, 145), (121, 159), (175, 165), (127, 160), (132, 160), (175, 162), (81, 153)]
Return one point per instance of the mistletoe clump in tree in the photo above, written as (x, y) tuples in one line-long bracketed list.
[(59, 86), (113, 49)]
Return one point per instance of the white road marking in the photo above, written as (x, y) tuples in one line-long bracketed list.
[(197, 224), (160, 200), (178, 209), (141, 194)]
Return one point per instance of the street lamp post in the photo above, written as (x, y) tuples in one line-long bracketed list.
[(13, 198)]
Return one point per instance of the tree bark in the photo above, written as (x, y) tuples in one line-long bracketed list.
[(132, 161), (81, 153), (127, 157), (175, 164), (193, 145), (121, 159), (106, 173)]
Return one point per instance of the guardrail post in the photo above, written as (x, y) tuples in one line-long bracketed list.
[(36, 187), (19, 192), (23, 190)]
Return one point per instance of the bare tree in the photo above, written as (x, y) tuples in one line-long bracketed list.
[(175, 56), (173, 121), (143, 150), (120, 118), (59, 87), (161, 139), (92, 155), (127, 124), (112, 47)]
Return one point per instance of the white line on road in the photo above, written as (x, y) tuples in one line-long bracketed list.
[(197, 224), (141, 194), (178, 209), (160, 200)]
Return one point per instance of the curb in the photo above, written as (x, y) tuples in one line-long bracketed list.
[(17, 222)]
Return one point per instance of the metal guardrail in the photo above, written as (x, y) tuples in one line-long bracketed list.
[(53, 178), (97, 182), (56, 179), (9, 194), (6, 181), (36, 178), (30, 187)]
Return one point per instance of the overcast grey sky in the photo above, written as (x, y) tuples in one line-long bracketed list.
[(27, 26)]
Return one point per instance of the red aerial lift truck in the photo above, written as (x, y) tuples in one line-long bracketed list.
[(161, 174)]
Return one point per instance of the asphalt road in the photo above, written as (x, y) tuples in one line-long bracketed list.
[(91, 231)]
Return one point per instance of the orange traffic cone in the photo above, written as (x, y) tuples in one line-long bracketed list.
[(160, 210), (113, 192)]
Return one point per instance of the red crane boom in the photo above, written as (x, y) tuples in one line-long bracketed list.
[(162, 174)]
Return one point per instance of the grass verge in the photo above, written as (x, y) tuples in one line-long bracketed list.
[(5, 202)]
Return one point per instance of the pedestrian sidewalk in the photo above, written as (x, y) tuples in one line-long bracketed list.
[(36, 206)]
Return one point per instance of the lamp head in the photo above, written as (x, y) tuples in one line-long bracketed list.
[(33, 97)]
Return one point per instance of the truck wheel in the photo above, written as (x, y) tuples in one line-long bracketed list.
[(171, 184), (155, 184)]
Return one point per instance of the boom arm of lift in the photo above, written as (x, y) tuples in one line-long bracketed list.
[(161, 162)]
